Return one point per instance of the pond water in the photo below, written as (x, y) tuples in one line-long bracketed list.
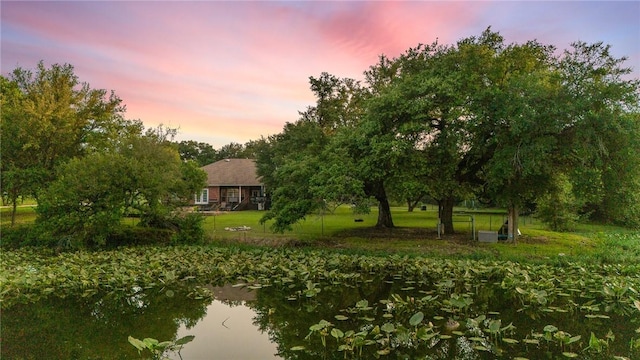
[(228, 332), (380, 316)]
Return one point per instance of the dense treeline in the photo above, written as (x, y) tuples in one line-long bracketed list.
[(507, 124), (71, 148), (204, 154)]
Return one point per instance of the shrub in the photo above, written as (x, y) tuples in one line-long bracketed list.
[(186, 227), (12, 237), (129, 235), (179, 229), (190, 229), (19, 236), (559, 208)]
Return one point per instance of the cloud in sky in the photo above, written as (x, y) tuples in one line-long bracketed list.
[(226, 71)]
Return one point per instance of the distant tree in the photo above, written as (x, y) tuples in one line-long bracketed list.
[(204, 154), (252, 147), (199, 152), (559, 207), (49, 117), (230, 151)]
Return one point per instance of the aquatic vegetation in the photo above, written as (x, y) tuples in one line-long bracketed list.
[(365, 306), (157, 348)]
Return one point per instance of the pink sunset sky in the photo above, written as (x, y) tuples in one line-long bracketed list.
[(233, 71)]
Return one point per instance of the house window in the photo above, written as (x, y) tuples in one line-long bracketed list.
[(233, 195), (202, 197)]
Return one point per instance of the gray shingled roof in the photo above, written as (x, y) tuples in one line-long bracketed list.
[(232, 172)]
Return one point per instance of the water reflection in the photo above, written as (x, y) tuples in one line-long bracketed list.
[(228, 330), (96, 327), (270, 322)]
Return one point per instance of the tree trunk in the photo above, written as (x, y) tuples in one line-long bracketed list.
[(513, 223), (384, 214), (376, 189), (14, 210), (14, 205), (411, 204), (445, 213)]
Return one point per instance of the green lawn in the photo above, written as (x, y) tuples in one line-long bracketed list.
[(415, 234), (25, 214)]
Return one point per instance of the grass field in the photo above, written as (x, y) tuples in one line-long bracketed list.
[(25, 214), (415, 234)]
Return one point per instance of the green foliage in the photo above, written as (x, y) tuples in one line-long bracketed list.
[(618, 246), (199, 152), (136, 236), (327, 158), (559, 208), (49, 117), (189, 229), (204, 154), (25, 235), (231, 150), (92, 194), (157, 348), (418, 115), (144, 266), (69, 146), (605, 107), (286, 164), (339, 102), (86, 201), (480, 117)]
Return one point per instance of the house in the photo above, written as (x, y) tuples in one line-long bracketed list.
[(232, 184)]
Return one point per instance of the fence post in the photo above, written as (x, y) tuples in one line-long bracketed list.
[(473, 227)]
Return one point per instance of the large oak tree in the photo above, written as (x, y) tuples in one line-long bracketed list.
[(501, 121)]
